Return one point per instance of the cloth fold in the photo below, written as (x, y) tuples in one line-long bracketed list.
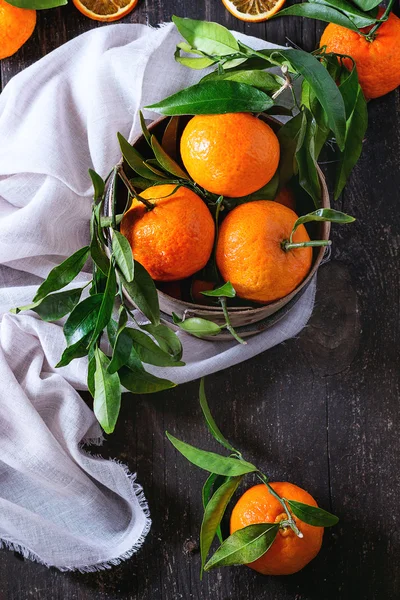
[(59, 504)]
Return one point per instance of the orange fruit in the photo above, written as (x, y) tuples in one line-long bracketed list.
[(286, 197), (175, 238), (253, 11), (16, 27), (232, 155), (288, 553), (198, 286), (250, 254), (105, 10), (378, 61)]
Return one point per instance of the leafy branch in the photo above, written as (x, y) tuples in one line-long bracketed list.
[(240, 83), (226, 473)]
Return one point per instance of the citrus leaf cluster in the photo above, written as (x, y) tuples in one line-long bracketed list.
[(226, 474)]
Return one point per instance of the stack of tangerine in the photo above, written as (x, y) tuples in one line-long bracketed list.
[(229, 155)]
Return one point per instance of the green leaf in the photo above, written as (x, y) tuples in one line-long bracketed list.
[(262, 80), (212, 426), (112, 330), (355, 131), (135, 160), (323, 86), (166, 161), (324, 214), (76, 350), (82, 319), (97, 252), (306, 158), (214, 97), (244, 546), (288, 136), (207, 37), (309, 100), (208, 486), (213, 514), (226, 290), (312, 514), (166, 339), (209, 461), (154, 166), (135, 379), (54, 306), (122, 345), (91, 370), (107, 221), (37, 4), (349, 88), (189, 61), (356, 16), (197, 326), (63, 274), (320, 12), (107, 304), (148, 351), (107, 393), (145, 131), (143, 292), (366, 4), (122, 252), (97, 181), (267, 192), (170, 137)]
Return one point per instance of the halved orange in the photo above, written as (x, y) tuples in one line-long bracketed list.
[(253, 10), (105, 10)]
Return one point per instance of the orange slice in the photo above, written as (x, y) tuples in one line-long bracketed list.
[(105, 10), (253, 10)]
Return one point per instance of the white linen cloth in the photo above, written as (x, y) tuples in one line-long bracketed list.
[(58, 504)]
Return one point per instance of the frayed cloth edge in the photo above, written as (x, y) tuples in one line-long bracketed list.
[(103, 565)]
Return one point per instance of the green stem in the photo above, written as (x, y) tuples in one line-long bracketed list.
[(228, 325), (131, 189), (114, 201), (311, 244), (372, 34), (290, 520)]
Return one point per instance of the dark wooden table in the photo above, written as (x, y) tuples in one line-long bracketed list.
[(321, 410)]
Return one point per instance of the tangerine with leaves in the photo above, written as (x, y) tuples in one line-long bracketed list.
[(251, 253), (377, 58), (16, 27), (289, 553), (171, 232), (231, 154)]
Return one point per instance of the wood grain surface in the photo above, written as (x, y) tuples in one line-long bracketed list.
[(321, 410)]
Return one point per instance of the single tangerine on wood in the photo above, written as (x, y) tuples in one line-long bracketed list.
[(288, 553)]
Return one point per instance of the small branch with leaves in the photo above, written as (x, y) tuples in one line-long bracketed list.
[(226, 473), (324, 111)]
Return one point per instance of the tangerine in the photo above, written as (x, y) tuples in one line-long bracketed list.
[(175, 238), (250, 251), (288, 553), (232, 154), (286, 197), (16, 27), (377, 60)]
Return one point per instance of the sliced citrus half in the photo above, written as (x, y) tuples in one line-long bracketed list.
[(253, 10), (105, 10)]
